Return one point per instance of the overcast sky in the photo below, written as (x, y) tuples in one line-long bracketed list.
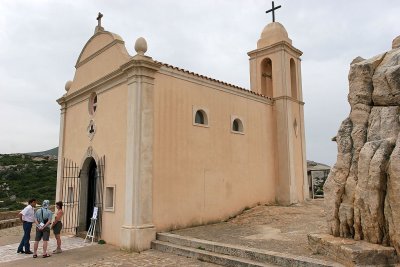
[(41, 40)]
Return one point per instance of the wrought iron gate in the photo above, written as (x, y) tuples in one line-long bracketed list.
[(99, 195), (70, 193)]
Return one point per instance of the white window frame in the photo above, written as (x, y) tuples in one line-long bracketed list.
[(206, 119), (234, 117)]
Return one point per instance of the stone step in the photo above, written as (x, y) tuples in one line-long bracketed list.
[(245, 253), (207, 256), (351, 252)]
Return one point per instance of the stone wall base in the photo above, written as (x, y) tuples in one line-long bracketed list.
[(9, 223), (134, 238), (351, 252)]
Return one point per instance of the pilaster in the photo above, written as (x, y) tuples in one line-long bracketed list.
[(60, 149), (286, 176), (138, 230)]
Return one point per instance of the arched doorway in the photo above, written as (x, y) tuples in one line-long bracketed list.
[(91, 191)]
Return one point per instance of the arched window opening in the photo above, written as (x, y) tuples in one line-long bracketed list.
[(92, 103), (266, 77), (201, 117), (293, 78), (237, 125)]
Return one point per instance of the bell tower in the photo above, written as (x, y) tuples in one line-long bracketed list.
[(275, 73)]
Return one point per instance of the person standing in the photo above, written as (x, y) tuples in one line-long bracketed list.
[(57, 226), (27, 216), (43, 220)]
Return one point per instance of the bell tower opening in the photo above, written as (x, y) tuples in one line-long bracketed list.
[(266, 77), (293, 79)]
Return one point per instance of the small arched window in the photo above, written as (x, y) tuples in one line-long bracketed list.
[(237, 126), (201, 117)]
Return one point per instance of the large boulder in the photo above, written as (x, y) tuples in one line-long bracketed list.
[(392, 207), (362, 191)]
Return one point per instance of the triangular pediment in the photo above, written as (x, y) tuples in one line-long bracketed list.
[(102, 54)]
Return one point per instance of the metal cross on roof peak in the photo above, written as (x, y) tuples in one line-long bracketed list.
[(273, 10)]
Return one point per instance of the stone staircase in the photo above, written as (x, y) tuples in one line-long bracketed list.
[(231, 255)]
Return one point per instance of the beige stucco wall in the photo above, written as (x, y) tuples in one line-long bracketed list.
[(109, 140), (205, 174)]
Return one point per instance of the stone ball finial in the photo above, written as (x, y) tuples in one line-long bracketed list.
[(396, 42), (141, 46), (68, 85)]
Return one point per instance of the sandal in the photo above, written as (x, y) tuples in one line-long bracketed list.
[(46, 255), (34, 255)]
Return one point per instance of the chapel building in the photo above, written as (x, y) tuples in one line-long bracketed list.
[(155, 147)]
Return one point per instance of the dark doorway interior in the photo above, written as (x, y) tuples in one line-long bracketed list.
[(91, 196)]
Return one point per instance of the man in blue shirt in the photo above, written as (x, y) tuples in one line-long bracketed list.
[(43, 218)]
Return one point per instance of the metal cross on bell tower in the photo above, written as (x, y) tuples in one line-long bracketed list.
[(273, 10)]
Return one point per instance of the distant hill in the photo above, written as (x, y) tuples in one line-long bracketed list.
[(50, 152), (24, 176)]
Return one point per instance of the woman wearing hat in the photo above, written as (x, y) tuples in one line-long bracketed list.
[(43, 220)]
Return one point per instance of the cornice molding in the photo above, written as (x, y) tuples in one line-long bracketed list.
[(214, 85), (141, 66), (146, 67), (288, 98), (88, 88), (282, 45), (137, 66)]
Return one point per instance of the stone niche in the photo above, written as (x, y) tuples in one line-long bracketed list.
[(362, 192)]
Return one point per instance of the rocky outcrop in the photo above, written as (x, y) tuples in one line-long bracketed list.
[(362, 191)]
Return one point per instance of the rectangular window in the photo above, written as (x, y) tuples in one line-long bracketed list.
[(110, 198)]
